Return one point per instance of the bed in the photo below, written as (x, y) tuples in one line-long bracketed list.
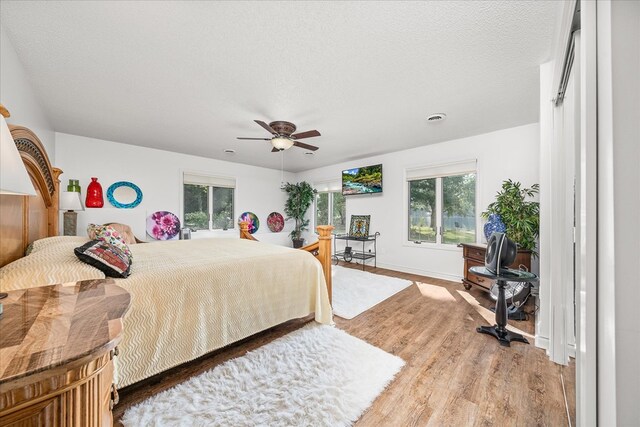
[(188, 298)]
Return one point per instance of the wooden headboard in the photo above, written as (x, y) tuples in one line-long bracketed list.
[(24, 219)]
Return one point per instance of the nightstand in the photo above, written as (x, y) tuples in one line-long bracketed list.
[(56, 353)]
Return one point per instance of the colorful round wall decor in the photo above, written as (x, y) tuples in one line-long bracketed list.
[(252, 219), (163, 225), (275, 222), (124, 195)]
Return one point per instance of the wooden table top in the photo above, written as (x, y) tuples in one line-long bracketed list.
[(50, 326)]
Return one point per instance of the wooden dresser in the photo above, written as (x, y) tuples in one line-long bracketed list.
[(56, 354), (473, 255)]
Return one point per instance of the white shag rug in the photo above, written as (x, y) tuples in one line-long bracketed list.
[(315, 376), (356, 291)]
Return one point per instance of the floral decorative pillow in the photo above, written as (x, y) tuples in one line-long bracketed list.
[(108, 234), (109, 259)]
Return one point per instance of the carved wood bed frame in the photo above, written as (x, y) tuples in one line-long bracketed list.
[(24, 219), (320, 249)]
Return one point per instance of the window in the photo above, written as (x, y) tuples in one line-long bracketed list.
[(442, 204), (330, 209), (422, 210), (208, 202), (459, 209)]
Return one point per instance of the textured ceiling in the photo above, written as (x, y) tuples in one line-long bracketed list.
[(191, 76)]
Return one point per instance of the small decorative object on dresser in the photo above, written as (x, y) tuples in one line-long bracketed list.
[(94, 194), (58, 345), (70, 203), (474, 255), (494, 224)]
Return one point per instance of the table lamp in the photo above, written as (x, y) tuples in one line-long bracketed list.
[(14, 178), (70, 203)]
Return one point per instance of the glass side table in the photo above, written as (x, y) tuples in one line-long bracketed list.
[(499, 330)]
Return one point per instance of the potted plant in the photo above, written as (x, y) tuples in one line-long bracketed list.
[(521, 217), (299, 199)]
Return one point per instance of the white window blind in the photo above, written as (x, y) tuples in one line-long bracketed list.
[(333, 185), (209, 180), (445, 169)]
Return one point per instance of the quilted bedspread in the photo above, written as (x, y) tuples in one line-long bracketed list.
[(190, 297)]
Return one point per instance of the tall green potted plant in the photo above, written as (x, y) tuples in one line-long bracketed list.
[(520, 216), (299, 199)]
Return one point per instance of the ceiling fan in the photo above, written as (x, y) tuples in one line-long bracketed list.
[(284, 137)]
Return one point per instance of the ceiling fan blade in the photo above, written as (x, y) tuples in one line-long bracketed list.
[(275, 150), (307, 134), (305, 146), (256, 139), (266, 126)]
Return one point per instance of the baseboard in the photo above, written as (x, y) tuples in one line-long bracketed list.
[(542, 342), (420, 272), (572, 350)]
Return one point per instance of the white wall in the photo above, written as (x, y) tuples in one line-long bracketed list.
[(509, 153), (159, 175), (18, 97)]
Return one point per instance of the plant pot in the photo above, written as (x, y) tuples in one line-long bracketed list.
[(298, 243)]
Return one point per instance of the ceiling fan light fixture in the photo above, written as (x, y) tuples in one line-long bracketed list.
[(281, 143)]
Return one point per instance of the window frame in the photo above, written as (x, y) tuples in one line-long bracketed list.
[(209, 198), (445, 171)]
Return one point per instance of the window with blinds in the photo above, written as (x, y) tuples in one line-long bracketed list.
[(442, 203), (208, 202)]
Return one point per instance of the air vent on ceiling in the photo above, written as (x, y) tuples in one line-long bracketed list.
[(438, 117)]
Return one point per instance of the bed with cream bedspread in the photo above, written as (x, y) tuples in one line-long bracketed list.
[(190, 297)]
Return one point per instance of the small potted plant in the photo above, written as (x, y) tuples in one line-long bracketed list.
[(521, 217), (299, 199)]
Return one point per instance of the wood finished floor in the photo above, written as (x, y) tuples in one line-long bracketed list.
[(453, 376)]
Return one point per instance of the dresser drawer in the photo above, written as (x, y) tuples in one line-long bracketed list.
[(476, 280), (475, 253)]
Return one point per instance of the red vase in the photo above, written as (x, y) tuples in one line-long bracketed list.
[(94, 195)]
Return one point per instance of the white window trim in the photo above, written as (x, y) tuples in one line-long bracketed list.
[(454, 168)]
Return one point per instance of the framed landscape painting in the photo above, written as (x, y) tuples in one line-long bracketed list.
[(363, 180)]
